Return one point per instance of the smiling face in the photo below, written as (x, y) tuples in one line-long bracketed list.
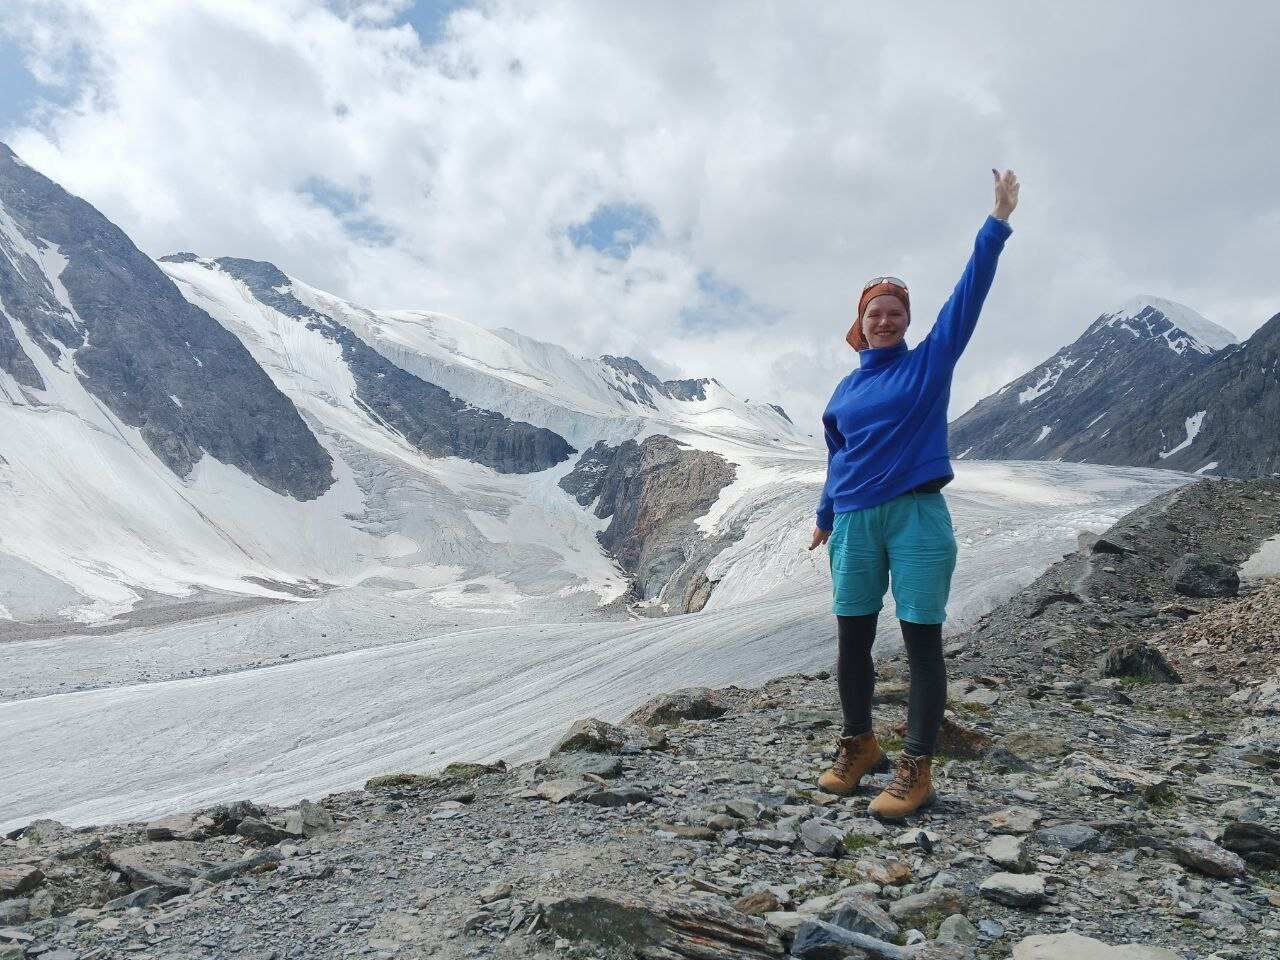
[(885, 321)]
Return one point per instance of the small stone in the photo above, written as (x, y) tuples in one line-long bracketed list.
[(591, 736), (990, 929), (496, 891), (1008, 852), (917, 837), (19, 878), (957, 929), (1012, 820), (1254, 842), (559, 790), (617, 796), (139, 898), (1207, 857), (1073, 946), (1069, 836), (759, 903), (260, 831), (1136, 658), (821, 837), (309, 819), (1014, 889), (920, 908), (861, 914), (690, 703)]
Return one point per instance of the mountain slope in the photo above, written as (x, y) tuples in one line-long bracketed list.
[(1222, 421), (1071, 406), (78, 291), (383, 453)]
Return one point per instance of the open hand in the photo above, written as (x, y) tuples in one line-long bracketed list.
[(820, 537), (1006, 187)]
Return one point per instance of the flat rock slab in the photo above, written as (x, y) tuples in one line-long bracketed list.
[(1012, 820), (1008, 851), (1072, 946), (574, 766), (558, 790), (1069, 836), (1207, 857), (1014, 889), (168, 864), (699, 928), (19, 878)]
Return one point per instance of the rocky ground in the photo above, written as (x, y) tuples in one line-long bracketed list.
[(1109, 787)]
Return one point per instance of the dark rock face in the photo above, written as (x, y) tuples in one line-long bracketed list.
[(654, 491), (1131, 402), (1195, 576), (1136, 658), (139, 345), (432, 419), (1084, 393), (644, 382)]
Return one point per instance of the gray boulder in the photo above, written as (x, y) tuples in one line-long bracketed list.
[(1194, 576)]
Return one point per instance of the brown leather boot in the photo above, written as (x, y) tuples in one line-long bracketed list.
[(854, 757), (910, 789)]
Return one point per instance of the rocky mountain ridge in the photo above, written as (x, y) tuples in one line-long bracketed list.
[(1149, 384), (1093, 804)]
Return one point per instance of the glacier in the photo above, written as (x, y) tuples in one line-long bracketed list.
[(306, 697)]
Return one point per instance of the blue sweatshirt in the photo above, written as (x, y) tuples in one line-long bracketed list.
[(886, 423)]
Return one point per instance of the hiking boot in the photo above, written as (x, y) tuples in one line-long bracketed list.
[(854, 757), (910, 789)]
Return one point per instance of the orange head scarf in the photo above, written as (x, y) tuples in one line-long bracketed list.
[(855, 337)]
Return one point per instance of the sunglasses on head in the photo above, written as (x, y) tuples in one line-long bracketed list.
[(894, 280)]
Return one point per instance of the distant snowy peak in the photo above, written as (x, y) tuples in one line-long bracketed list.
[(583, 399), (1179, 326)]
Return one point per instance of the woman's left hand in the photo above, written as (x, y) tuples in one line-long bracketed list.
[(1006, 187)]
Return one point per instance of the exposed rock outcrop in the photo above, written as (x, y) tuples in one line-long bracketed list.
[(653, 492)]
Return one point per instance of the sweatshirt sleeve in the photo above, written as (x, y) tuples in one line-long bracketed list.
[(826, 509), (959, 315)]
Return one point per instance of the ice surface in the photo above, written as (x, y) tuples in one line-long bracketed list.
[(392, 680), (1193, 429), (1265, 562)]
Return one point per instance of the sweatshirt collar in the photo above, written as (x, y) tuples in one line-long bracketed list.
[(875, 357)]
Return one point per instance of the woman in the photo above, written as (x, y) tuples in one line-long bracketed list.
[(882, 514)]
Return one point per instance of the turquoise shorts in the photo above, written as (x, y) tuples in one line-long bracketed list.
[(909, 537)]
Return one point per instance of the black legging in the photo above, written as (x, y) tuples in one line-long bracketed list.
[(856, 678)]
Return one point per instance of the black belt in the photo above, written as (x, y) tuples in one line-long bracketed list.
[(931, 486)]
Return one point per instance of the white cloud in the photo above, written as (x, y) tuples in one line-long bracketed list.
[(787, 150)]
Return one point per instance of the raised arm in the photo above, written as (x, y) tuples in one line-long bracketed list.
[(959, 315)]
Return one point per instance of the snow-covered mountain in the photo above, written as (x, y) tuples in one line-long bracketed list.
[(202, 432), (1094, 400)]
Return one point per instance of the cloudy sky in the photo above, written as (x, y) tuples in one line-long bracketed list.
[(702, 185)]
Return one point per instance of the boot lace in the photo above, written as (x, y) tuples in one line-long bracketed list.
[(905, 777), (844, 756)]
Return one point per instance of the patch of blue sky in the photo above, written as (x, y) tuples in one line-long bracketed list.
[(348, 208), (615, 229), (720, 305), (24, 100), (428, 17), (20, 92)]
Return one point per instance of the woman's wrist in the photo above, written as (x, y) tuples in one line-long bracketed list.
[(1001, 214)]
